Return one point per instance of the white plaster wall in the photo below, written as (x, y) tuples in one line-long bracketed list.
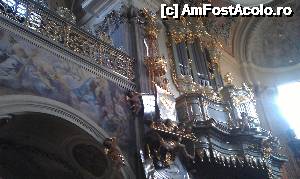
[(274, 76), (230, 64)]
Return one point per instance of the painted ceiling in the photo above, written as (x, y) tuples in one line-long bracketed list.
[(275, 42), (251, 2)]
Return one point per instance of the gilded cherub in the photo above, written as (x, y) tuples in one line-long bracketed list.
[(111, 150), (228, 79)]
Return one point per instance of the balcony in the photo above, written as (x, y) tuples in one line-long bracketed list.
[(63, 32)]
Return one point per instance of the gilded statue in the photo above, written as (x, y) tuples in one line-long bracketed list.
[(228, 79), (165, 142), (135, 100), (113, 153)]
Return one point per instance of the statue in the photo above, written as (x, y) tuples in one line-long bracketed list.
[(113, 153), (164, 142), (244, 122), (269, 145), (163, 150), (67, 14), (135, 99), (228, 79)]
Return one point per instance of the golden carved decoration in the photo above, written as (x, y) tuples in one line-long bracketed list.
[(105, 37), (151, 27), (62, 30), (269, 145), (113, 153), (157, 65), (228, 79), (185, 85), (229, 160), (66, 14), (190, 30), (157, 68), (243, 103), (178, 37), (243, 95), (170, 127)]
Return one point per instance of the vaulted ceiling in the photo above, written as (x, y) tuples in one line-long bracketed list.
[(269, 42), (35, 145)]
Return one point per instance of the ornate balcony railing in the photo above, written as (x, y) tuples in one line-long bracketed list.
[(51, 25)]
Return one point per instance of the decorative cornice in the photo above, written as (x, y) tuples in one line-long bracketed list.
[(64, 53)]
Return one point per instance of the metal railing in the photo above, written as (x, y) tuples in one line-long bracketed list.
[(51, 25)]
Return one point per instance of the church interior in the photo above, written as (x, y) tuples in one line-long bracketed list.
[(107, 89)]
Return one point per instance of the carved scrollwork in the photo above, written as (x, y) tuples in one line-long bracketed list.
[(64, 32), (113, 20), (186, 85), (66, 14), (165, 142), (243, 106), (169, 127), (150, 22)]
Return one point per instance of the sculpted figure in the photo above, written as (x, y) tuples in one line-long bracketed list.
[(113, 152), (134, 99), (165, 149)]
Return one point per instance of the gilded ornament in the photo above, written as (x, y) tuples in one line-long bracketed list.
[(64, 32), (66, 14), (228, 79), (113, 153)]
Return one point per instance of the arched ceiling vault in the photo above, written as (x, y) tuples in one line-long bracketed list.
[(268, 47), (269, 42), (251, 2)]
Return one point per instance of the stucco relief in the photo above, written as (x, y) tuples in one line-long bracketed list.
[(27, 69)]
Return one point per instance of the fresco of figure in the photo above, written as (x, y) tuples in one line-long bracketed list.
[(27, 69), (10, 69)]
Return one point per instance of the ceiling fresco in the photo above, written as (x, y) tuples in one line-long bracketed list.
[(275, 43), (250, 2), (222, 27)]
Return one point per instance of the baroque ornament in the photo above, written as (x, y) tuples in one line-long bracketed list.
[(164, 142), (113, 153), (71, 37), (66, 14), (186, 85), (156, 65)]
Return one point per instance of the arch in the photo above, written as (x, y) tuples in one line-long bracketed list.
[(12, 104), (244, 47)]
